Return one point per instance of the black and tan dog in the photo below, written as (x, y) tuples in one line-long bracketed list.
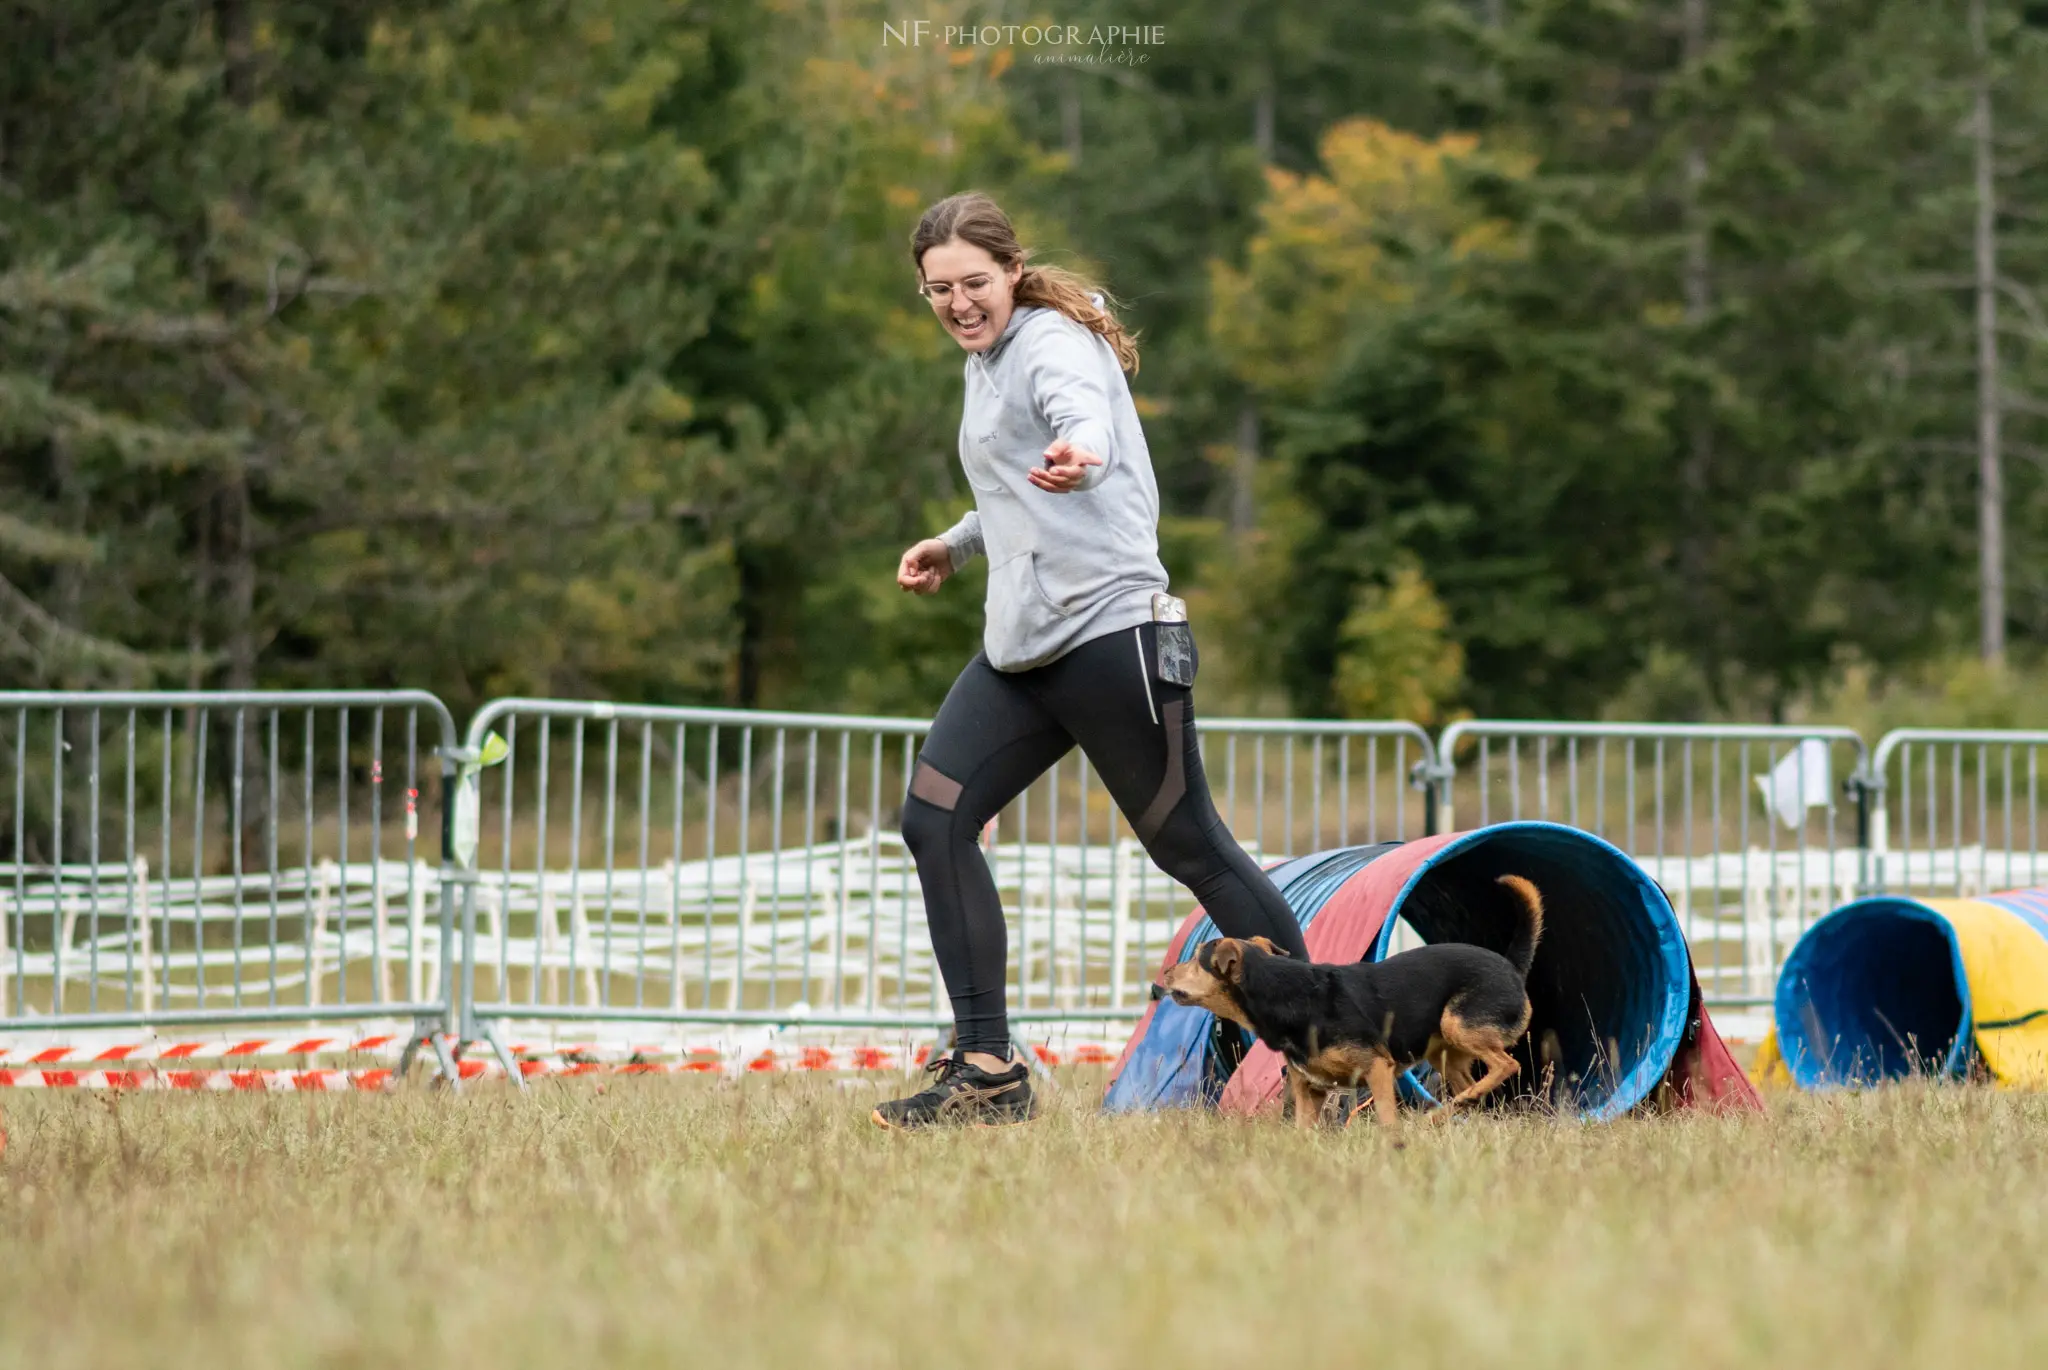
[(1341, 1025)]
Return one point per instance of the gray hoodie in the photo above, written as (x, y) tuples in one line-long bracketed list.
[(1069, 567)]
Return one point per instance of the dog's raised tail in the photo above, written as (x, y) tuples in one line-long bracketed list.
[(1522, 947)]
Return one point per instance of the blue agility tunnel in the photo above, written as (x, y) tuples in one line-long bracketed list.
[(1615, 1008), (1889, 987), (1874, 991)]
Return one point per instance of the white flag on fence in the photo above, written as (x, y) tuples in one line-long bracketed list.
[(1800, 782)]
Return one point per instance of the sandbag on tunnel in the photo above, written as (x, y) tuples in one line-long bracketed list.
[(1887, 987), (1616, 1011)]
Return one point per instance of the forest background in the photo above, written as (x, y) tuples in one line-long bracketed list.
[(1676, 359)]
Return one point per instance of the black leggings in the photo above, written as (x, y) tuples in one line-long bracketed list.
[(996, 733)]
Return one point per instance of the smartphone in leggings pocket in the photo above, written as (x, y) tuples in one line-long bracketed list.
[(1175, 664)]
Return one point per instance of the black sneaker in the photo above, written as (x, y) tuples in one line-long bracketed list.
[(963, 1095)]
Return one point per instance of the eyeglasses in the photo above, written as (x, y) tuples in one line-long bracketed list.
[(975, 288)]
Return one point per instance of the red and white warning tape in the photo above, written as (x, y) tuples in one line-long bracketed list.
[(41, 1069), (123, 1053), (260, 1080)]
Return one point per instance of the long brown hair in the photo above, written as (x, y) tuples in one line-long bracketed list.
[(973, 217)]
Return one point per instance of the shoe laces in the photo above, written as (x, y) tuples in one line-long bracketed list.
[(945, 1068)]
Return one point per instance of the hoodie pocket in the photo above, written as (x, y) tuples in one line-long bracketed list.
[(1035, 587), (1019, 612)]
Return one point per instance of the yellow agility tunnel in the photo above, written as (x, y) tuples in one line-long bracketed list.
[(1887, 987)]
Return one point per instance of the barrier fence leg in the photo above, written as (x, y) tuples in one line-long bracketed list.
[(430, 1032), (1038, 1067), (444, 1053), (1434, 780), (489, 1028), (408, 1056)]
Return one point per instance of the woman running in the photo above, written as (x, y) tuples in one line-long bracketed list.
[(1081, 645)]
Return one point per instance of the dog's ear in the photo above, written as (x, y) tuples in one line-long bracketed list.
[(1227, 960), (1265, 944)]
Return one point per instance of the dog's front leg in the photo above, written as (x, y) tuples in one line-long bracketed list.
[(1308, 1101), (1380, 1075)]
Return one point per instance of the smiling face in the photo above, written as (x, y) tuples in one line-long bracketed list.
[(971, 292)]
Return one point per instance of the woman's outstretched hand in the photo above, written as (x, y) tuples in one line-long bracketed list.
[(1066, 466), (925, 567)]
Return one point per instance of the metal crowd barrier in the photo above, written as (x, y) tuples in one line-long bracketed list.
[(1683, 800), (185, 859), (642, 864), (215, 858), (1956, 812)]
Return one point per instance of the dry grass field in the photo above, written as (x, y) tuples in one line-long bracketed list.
[(766, 1223)]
